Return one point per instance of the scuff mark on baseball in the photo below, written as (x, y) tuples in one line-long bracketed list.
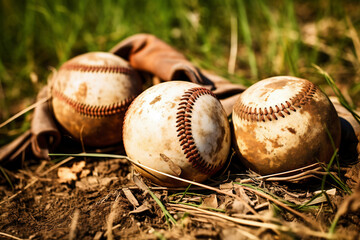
[(91, 94), (283, 123), (182, 121)]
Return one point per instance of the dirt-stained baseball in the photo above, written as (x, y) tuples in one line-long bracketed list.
[(91, 94), (283, 123), (179, 128)]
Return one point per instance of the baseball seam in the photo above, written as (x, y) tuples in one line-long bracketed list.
[(184, 129), (96, 111), (279, 110), (92, 68)]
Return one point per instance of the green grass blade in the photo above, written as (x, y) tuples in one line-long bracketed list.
[(290, 204), (290, 60), (163, 208), (187, 189), (337, 92), (246, 33), (311, 200)]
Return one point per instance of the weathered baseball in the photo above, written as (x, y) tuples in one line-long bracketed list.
[(179, 128), (283, 123), (91, 94)]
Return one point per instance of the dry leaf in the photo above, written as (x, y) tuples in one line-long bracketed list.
[(224, 186), (81, 185), (98, 236), (295, 200), (92, 180), (237, 207), (210, 202), (105, 181), (66, 175), (144, 207), (85, 173), (130, 196), (78, 166), (227, 187), (331, 192), (87, 183), (241, 193), (173, 167), (353, 175), (140, 183)]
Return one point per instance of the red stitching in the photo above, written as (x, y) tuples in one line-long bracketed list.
[(279, 110), (103, 69), (92, 110), (184, 129)]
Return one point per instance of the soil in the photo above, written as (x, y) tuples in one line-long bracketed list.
[(84, 198)]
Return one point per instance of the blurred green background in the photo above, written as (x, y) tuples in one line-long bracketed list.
[(244, 41)]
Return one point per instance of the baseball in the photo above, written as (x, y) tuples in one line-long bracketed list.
[(283, 123), (90, 95), (178, 128)]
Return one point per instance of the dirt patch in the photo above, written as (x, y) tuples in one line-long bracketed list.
[(104, 196)]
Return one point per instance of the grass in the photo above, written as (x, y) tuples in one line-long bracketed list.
[(273, 38), (338, 93), (169, 218), (304, 207)]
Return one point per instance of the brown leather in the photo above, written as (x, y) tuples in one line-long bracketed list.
[(44, 133), (350, 133), (147, 53)]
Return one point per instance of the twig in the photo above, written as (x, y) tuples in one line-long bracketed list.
[(252, 217), (304, 175), (262, 205), (282, 228), (110, 221), (41, 101), (10, 236), (233, 44), (286, 173), (132, 199), (241, 221), (283, 205), (74, 222)]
